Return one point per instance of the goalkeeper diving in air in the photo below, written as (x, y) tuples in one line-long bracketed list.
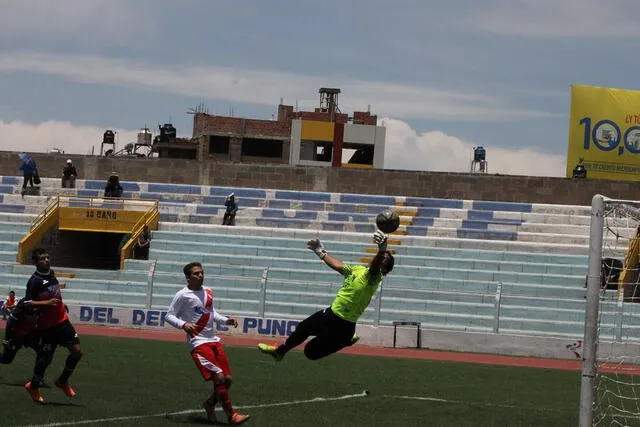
[(334, 327)]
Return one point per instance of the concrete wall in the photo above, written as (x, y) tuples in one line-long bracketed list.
[(346, 180)]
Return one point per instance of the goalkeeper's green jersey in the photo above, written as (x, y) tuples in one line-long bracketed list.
[(356, 293)]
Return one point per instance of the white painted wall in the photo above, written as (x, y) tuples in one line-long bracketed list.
[(361, 134), (294, 146), (380, 142)]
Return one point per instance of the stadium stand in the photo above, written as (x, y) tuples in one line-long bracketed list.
[(457, 261)]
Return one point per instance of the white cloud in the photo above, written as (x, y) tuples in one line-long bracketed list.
[(113, 21), (405, 149), (436, 151), (556, 18), (267, 87), (70, 138)]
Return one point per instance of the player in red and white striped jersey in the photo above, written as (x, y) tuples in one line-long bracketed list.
[(192, 310)]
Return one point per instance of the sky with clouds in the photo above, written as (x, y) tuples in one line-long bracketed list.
[(442, 77)]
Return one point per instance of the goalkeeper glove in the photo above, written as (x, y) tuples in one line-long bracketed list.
[(381, 240), (317, 247)]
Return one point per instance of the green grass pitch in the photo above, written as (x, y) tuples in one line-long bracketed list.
[(121, 377)]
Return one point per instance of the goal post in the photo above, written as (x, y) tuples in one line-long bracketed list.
[(589, 355), (610, 381)]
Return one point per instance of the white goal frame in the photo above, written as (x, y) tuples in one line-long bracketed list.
[(589, 362)]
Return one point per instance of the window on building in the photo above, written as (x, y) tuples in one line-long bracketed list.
[(319, 151), (359, 154), (262, 147), (219, 144)]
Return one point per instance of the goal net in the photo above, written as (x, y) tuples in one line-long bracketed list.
[(610, 388)]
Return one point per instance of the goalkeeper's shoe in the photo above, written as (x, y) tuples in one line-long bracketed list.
[(34, 393), (270, 350), (66, 388), (355, 339)]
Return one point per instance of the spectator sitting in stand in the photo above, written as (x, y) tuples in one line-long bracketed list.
[(9, 304), (113, 187), (69, 175), (141, 248), (232, 207)]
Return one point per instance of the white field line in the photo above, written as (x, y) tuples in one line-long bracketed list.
[(460, 402), (196, 411)]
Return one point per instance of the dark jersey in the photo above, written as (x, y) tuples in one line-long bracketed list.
[(18, 330), (21, 323), (42, 287)]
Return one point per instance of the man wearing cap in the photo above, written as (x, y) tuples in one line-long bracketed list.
[(232, 208), (69, 175)]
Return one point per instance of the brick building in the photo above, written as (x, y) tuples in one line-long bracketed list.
[(316, 137)]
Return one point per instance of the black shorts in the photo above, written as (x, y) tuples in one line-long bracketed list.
[(328, 325), (63, 334)]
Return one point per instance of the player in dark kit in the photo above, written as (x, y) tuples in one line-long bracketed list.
[(20, 331), (54, 327)]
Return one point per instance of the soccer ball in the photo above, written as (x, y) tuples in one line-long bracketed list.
[(388, 221)]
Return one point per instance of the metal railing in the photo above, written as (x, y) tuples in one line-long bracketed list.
[(492, 304), (616, 325), (150, 218), (51, 206)]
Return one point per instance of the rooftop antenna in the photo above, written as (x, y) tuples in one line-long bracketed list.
[(199, 109)]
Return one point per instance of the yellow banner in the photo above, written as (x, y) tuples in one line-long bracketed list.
[(98, 219), (604, 131)]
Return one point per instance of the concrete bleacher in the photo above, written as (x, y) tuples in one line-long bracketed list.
[(336, 212), (452, 256)]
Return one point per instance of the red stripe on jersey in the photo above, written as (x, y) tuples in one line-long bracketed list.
[(209, 298), (202, 322), (52, 315)]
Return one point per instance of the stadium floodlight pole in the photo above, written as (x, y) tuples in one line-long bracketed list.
[(589, 364)]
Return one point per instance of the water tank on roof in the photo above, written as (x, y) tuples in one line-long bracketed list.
[(167, 132), (109, 137), (144, 137)]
